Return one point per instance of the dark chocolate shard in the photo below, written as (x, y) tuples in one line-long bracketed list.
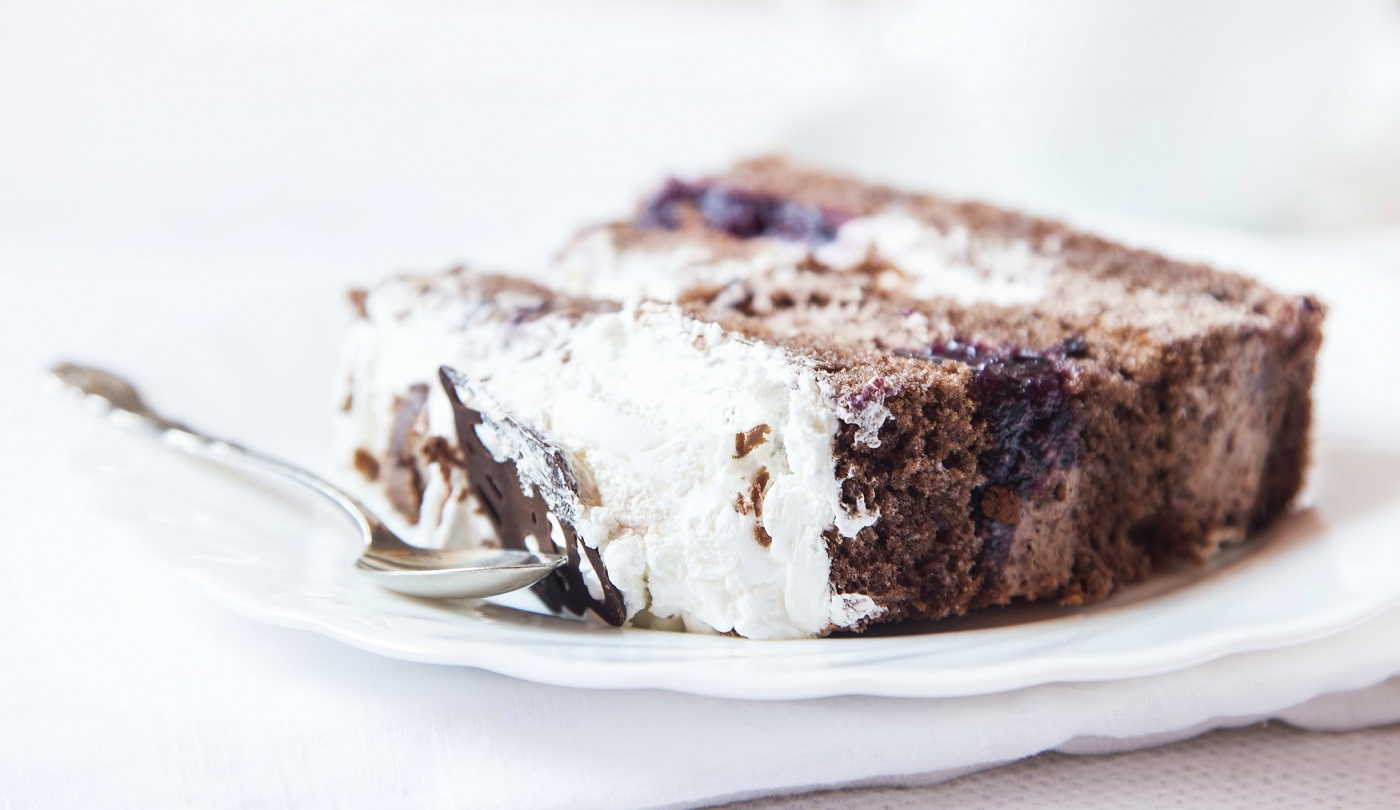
[(517, 515), (439, 451), (756, 490), (357, 298), (366, 464), (744, 443)]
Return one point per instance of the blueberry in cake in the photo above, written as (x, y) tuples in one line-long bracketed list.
[(777, 403)]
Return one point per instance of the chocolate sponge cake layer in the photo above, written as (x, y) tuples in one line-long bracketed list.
[(1061, 414)]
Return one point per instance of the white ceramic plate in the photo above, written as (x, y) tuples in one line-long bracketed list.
[(269, 553)]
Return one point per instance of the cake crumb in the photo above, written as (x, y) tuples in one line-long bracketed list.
[(1002, 505)]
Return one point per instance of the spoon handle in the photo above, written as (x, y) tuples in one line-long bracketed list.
[(117, 399)]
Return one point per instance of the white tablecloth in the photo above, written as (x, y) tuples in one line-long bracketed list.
[(1267, 765)]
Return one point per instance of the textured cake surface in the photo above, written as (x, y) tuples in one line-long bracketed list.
[(795, 403)]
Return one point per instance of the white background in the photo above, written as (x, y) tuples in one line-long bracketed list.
[(161, 160)]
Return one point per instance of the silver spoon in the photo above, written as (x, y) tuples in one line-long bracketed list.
[(389, 561)]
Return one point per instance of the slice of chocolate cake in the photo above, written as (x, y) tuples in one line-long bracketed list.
[(858, 406), (689, 470)]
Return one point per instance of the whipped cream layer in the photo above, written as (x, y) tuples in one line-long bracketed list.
[(891, 252), (920, 261), (704, 460)]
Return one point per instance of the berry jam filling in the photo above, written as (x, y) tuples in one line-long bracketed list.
[(740, 213), (1024, 397), (870, 393)]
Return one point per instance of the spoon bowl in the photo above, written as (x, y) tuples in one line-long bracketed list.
[(438, 574)]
